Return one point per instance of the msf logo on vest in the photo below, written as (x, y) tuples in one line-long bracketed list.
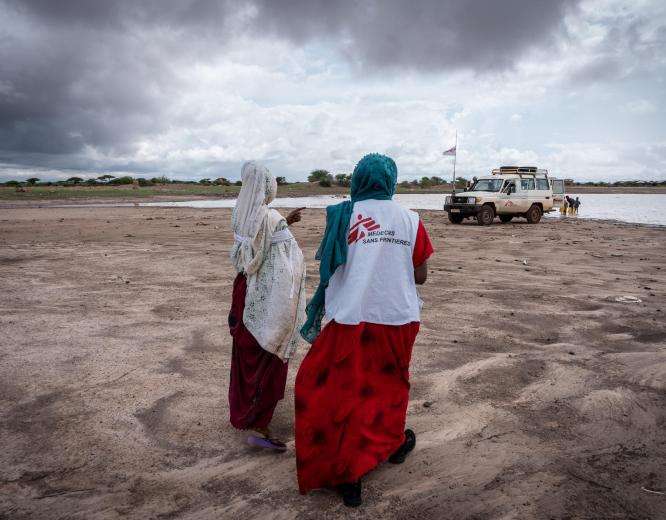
[(356, 233)]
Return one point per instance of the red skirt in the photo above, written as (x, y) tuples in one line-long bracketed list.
[(352, 391), (257, 378)]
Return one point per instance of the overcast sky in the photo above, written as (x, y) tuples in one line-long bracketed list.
[(193, 88)]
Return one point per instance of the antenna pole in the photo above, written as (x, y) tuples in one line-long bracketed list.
[(455, 156)]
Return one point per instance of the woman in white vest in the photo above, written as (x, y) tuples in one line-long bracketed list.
[(267, 308), (352, 388)]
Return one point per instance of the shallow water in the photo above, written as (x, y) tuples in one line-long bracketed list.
[(637, 208)]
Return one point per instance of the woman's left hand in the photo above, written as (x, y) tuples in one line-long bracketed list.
[(294, 216)]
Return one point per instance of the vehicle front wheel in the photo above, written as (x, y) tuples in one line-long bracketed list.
[(533, 214), (455, 219), (485, 216), (505, 218)]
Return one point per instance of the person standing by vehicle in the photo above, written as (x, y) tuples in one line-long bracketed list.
[(352, 388), (267, 308), (576, 205), (568, 205)]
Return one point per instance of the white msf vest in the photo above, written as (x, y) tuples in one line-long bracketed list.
[(376, 284)]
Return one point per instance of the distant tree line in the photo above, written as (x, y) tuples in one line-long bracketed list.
[(428, 182), (617, 184), (112, 180), (326, 179), (322, 177)]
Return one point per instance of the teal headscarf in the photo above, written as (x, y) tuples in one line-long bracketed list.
[(374, 177)]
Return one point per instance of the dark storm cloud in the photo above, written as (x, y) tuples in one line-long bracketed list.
[(75, 73), (117, 13), (62, 87), (426, 35)]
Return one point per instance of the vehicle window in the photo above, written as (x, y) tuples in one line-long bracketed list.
[(509, 187), (526, 184), (487, 185), (542, 184)]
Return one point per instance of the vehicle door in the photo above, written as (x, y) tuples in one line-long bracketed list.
[(526, 194), (544, 193), (558, 192), (506, 198)]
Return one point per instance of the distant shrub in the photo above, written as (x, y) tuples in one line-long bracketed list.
[(122, 180), (319, 175), (160, 180), (32, 181), (238, 183), (12, 183), (342, 179), (74, 180), (322, 177), (223, 181), (144, 182)]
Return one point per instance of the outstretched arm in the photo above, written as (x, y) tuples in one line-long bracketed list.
[(294, 216)]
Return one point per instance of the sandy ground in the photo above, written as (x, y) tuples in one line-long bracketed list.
[(534, 394)]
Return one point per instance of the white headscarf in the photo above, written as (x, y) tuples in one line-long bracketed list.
[(250, 219), (267, 253)]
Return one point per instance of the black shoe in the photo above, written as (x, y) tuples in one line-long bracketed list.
[(351, 493), (401, 453)]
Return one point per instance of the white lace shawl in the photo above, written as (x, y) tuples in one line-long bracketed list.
[(266, 252)]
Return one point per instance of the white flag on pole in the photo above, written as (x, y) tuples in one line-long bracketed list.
[(450, 151)]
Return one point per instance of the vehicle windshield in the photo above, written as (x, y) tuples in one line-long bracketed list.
[(487, 185)]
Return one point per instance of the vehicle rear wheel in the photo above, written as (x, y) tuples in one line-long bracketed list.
[(486, 215), (455, 219), (505, 218), (533, 214)]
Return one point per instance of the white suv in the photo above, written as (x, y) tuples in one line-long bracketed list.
[(511, 191)]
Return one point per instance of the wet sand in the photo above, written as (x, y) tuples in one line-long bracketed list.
[(534, 393)]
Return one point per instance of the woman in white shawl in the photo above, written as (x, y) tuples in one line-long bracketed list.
[(268, 305)]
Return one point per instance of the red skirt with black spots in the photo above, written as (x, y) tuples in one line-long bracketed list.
[(352, 391)]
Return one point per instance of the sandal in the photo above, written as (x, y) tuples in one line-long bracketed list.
[(401, 453), (266, 442)]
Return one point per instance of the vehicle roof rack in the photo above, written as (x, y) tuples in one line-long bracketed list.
[(520, 170)]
